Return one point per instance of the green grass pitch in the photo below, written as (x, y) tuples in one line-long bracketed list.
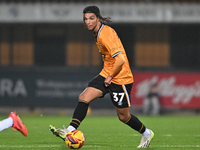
[(105, 133)]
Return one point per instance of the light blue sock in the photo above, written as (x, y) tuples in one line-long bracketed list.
[(6, 123), (146, 132), (71, 128)]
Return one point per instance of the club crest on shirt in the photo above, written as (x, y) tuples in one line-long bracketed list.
[(100, 45)]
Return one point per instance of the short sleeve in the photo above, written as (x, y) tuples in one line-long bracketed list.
[(111, 42)]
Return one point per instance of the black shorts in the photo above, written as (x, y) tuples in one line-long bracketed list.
[(120, 94)]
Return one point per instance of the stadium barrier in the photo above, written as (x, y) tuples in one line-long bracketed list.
[(177, 89), (61, 89)]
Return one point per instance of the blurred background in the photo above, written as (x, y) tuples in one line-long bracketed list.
[(47, 57)]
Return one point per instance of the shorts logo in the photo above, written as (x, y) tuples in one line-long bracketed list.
[(119, 103)]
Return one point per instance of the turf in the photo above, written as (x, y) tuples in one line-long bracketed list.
[(106, 133)]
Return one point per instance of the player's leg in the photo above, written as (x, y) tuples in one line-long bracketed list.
[(146, 106), (155, 106), (130, 120), (6, 123), (120, 95), (80, 112), (15, 122), (94, 90), (18, 124), (136, 124)]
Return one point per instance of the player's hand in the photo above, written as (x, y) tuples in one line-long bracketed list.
[(107, 81)]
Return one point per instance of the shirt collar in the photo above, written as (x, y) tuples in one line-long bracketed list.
[(100, 30), (97, 35)]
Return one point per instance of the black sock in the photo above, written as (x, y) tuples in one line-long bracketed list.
[(79, 113), (136, 124)]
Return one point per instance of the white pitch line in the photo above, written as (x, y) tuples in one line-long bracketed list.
[(176, 146), (41, 146), (28, 146)]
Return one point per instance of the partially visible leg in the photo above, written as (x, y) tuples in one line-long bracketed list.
[(18, 124), (146, 106), (130, 120), (80, 111), (15, 122), (136, 124), (155, 106), (6, 123)]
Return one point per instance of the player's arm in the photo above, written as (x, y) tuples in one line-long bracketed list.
[(119, 61)]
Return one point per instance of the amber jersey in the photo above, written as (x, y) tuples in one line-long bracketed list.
[(109, 46)]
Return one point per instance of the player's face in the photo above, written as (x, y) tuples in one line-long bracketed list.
[(91, 21)]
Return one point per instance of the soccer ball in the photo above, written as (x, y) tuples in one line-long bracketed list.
[(75, 139)]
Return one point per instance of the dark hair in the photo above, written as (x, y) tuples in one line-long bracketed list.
[(94, 9)]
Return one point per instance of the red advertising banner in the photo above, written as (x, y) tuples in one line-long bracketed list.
[(177, 89)]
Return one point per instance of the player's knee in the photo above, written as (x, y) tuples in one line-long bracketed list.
[(123, 118), (83, 97)]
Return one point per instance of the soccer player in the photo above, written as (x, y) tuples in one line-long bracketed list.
[(115, 78), (15, 122)]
